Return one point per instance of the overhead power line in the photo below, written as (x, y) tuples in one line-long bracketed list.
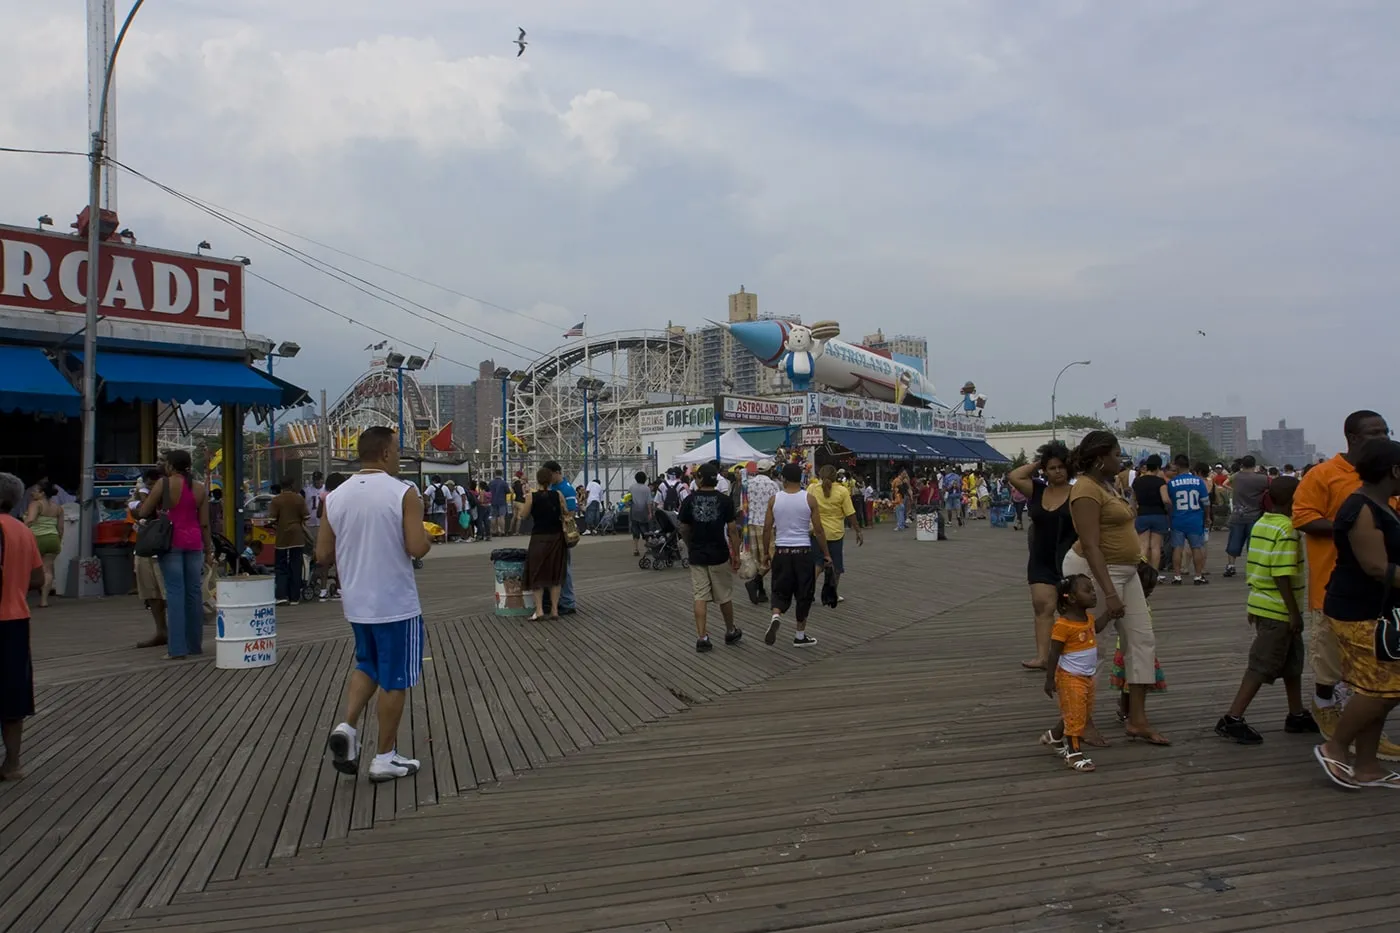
[(359, 283)]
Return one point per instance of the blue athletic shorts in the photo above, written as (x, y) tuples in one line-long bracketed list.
[(391, 653), (1182, 538)]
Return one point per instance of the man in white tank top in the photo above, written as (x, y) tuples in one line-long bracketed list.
[(792, 523), (372, 533)]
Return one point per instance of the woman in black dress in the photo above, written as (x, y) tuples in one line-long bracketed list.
[(1052, 534), (545, 560)]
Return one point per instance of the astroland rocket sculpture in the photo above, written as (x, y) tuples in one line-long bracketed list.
[(813, 355)]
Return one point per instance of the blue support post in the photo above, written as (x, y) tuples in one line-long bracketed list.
[(505, 467), (399, 372)]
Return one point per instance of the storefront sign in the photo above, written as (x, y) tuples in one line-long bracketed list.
[(754, 410), (47, 272), (675, 417), (849, 411), (813, 437)]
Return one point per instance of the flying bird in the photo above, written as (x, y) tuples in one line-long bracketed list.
[(521, 42), (1201, 332)]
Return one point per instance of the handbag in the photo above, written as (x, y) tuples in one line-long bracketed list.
[(153, 537), (1388, 624), (571, 535)]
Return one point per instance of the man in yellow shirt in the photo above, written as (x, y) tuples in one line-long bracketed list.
[(837, 511)]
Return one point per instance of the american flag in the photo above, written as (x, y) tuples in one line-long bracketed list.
[(575, 331), (1111, 403)]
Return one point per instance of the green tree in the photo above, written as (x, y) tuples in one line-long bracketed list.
[(1069, 421), (1020, 459), (1176, 436)]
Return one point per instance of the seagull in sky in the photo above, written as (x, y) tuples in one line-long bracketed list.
[(1201, 332), (521, 42)]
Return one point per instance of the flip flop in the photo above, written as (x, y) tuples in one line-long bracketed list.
[(1391, 780), (1339, 772), (1151, 738)]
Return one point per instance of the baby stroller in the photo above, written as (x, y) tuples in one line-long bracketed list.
[(663, 544), (607, 525)]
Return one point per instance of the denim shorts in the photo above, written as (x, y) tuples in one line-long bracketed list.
[(1195, 539), (1239, 538), (1157, 524)]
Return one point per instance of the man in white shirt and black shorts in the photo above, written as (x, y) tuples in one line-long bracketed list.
[(373, 531)]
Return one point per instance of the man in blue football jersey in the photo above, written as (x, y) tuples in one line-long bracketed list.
[(1189, 496)]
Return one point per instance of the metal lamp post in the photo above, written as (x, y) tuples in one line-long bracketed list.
[(398, 363), (590, 386), (1054, 389), (91, 300), (286, 350)]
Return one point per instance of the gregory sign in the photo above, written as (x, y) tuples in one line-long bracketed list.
[(675, 417), (47, 272)]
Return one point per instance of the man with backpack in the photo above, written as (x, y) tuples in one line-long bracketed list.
[(673, 491), (437, 494)]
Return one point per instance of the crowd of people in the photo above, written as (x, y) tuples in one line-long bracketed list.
[(1320, 549)]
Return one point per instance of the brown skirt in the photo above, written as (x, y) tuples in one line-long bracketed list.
[(544, 563)]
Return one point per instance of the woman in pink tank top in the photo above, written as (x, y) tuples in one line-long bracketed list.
[(186, 504)]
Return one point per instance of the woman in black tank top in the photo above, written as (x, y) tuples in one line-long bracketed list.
[(1052, 535)]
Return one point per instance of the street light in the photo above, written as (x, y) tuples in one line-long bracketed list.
[(87, 525), (395, 360), (589, 386), (1054, 389), (286, 350)]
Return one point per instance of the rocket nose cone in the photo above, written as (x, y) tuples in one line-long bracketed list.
[(764, 339)]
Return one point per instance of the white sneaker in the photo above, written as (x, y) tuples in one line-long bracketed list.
[(345, 749), (392, 768)]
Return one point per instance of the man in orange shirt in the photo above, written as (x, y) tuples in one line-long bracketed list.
[(1320, 494), (21, 570)]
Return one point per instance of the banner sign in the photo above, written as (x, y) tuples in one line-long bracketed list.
[(754, 410), (868, 414), (47, 272), (813, 437), (672, 417)]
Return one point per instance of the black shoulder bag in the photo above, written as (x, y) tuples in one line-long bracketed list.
[(155, 534)]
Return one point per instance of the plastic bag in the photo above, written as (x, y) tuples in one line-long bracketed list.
[(748, 566)]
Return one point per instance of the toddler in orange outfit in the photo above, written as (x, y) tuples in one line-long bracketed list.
[(1074, 656)]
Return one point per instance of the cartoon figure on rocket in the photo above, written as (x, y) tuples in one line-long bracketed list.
[(805, 346)]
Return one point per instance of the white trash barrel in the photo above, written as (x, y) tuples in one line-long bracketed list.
[(246, 630), (926, 526)]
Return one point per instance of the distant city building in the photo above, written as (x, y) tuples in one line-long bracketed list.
[(470, 408), (912, 351), (1227, 434), (1285, 445)]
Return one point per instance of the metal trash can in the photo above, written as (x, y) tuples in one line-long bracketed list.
[(118, 568), (926, 524), (512, 599)]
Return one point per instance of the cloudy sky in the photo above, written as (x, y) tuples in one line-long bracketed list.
[(1025, 183)]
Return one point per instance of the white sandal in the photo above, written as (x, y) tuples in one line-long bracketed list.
[(1048, 738), (1077, 760)]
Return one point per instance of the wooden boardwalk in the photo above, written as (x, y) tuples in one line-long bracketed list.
[(888, 779)]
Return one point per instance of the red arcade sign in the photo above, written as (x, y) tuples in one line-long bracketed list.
[(47, 272)]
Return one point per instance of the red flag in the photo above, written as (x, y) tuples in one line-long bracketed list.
[(442, 440)]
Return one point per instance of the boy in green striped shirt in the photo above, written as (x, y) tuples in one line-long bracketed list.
[(1276, 585)]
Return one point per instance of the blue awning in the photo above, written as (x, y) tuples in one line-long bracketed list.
[(147, 377), (868, 444), (983, 451), (949, 448), (29, 382)]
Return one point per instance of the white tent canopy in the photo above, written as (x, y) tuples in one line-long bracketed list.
[(732, 449)]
